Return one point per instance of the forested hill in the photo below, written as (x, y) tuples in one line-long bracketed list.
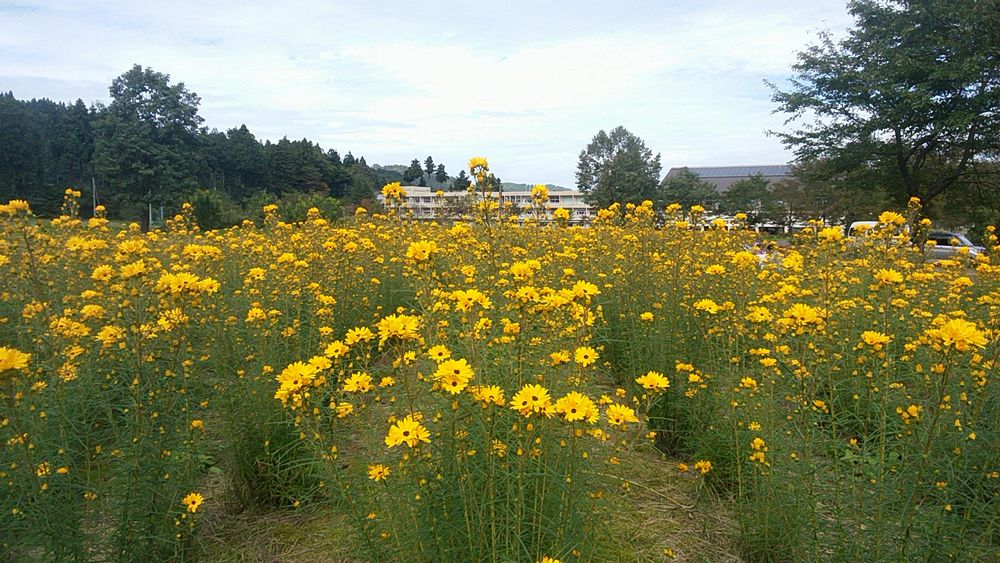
[(135, 155), (48, 146)]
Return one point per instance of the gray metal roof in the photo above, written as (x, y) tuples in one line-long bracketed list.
[(734, 171)]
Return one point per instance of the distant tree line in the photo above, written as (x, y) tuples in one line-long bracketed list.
[(618, 167), (148, 148)]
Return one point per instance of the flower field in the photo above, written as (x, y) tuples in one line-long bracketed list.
[(472, 390)]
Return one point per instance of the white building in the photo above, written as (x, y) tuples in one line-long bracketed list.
[(425, 203)]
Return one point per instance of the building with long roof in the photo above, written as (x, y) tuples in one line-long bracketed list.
[(722, 177)]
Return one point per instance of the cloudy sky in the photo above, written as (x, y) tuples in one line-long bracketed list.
[(526, 84)]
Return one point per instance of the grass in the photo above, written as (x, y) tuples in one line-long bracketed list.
[(661, 515), (669, 515)]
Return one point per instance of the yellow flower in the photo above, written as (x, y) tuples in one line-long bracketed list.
[(488, 394), (511, 328), (296, 375), (378, 472), (585, 356), (336, 349), (13, 359), (499, 448), (653, 381), (704, 466), (102, 273), (359, 334), (524, 270), (478, 162), (256, 315), (888, 276), (831, 234), (454, 375), (646, 316), (759, 448), (585, 290), (193, 502), (136, 268), (958, 333), (560, 357), (759, 315), (577, 406), (910, 414), (620, 415), (875, 339), (171, 318), (393, 192), (320, 362), (407, 431), (185, 282), (439, 353), (466, 299), (15, 206), (404, 327), (707, 305), (801, 317), (343, 409), (891, 218), (531, 398), (358, 382), (421, 251), (540, 193)]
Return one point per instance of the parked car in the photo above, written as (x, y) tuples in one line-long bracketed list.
[(939, 245), (859, 228), (947, 244)]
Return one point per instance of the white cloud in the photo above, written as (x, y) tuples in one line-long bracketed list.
[(525, 84)]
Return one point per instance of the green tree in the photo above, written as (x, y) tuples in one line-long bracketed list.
[(789, 203), (46, 146), (413, 172), (913, 92), (244, 162), (617, 167), (362, 189), (461, 182), (838, 196), (429, 167), (751, 196), (147, 139), (440, 175), (687, 188)]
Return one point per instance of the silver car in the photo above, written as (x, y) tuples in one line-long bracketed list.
[(947, 244)]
